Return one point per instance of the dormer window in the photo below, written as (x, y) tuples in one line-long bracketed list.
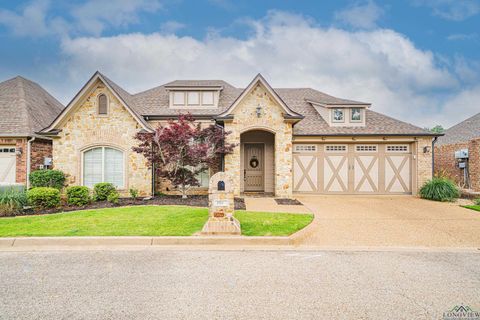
[(191, 99), (356, 115), (102, 104), (338, 115)]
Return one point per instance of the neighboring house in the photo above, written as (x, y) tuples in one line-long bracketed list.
[(25, 108), (462, 136), (289, 140)]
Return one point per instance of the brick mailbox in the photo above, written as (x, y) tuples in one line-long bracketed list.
[(221, 207)]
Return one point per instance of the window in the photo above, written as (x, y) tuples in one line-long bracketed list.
[(207, 98), (397, 148), (103, 164), (305, 148), (204, 178), (179, 98), (356, 115), (338, 115), (193, 98), (335, 148), (7, 150), (102, 104), (366, 148)]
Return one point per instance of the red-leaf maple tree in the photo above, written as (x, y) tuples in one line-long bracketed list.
[(182, 149)]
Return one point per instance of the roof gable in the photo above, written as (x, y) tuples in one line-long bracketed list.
[(462, 132), (123, 96)]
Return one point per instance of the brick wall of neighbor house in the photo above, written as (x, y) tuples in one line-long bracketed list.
[(40, 150), (424, 162), (272, 120), (85, 129), (446, 164), (21, 164)]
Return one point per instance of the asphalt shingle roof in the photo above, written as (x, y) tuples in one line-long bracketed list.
[(154, 102), (25, 107), (462, 132)]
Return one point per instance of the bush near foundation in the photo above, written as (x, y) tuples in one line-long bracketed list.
[(439, 189), (43, 197), (12, 201), (103, 190), (47, 178), (78, 196)]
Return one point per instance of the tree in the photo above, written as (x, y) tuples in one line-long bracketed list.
[(182, 149), (437, 129)]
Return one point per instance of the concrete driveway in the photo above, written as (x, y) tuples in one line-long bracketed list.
[(390, 221)]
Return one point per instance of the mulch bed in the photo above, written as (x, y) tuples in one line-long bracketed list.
[(194, 201), (288, 202)]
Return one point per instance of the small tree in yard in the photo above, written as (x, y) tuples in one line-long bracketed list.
[(182, 149)]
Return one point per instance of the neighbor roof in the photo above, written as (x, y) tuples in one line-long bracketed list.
[(25, 107), (462, 132)]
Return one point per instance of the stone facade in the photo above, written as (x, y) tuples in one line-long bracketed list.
[(85, 129), (272, 120), (424, 162), (446, 164)]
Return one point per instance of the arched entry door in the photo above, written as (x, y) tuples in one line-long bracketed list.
[(254, 167)]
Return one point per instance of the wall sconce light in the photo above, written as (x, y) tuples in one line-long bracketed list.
[(259, 111), (19, 151), (426, 149)]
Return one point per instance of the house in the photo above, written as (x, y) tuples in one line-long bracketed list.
[(463, 167), (290, 140), (25, 108)]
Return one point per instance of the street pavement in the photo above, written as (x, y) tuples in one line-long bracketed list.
[(202, 284)]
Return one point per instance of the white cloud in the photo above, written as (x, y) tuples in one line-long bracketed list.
[(455, 10), (379, 66), (31, 21), (360, 15)]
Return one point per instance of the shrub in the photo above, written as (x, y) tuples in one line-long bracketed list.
[(43, 197), (477, 201), (11, 201), (78, 195), (134, 193), (113, 197), (102, 190), (439, 189), (47, 178)]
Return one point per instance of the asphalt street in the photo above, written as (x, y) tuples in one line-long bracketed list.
[(167, 284)]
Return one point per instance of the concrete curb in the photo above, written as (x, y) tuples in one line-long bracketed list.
[(142, 241)]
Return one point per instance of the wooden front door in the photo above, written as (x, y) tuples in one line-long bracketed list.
[(254, 169)]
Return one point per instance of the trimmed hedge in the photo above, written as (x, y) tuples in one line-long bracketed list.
[(43, 197), (103, 190), (113, 197), (439, 189), (78, 196), (47, 178)]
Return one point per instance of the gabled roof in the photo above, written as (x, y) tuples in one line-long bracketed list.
[(462, 132), (260, 79), (122, 95), (25, 107)]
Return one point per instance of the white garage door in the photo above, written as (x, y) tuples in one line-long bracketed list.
[(352, 168), (7, 164)]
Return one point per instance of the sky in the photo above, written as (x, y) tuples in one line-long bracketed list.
[(415, 60)]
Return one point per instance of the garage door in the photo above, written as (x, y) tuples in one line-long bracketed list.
[(7, 164), (352, 168)]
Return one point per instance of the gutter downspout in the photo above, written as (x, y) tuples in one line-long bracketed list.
[(433, 155), (29, 160)]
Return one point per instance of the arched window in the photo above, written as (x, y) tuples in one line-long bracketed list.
[(102, 104), (103, 164)]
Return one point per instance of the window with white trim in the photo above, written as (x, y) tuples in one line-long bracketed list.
[(208, 98), (7, 150), (397, 148), (356, 115), (335, 148), (366, 148), (338, 115), (103, 164), (179, 98), (193, 98), (102, 104), (305, 148)]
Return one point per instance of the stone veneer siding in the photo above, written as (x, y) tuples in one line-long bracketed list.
[(446, 164), (424, 163), (272, 119), (85, 129)]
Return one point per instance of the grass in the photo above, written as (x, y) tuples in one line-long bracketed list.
[(473, 207), (146, 221)]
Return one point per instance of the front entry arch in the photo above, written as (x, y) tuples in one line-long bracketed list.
[(257, 161)]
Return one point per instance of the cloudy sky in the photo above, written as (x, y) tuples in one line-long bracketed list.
[(416, 60)]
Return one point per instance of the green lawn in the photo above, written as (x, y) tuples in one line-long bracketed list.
[(145, 221), (473, 207)]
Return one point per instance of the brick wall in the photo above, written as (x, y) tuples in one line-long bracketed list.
[(40, 150), (21, 163), (445, 163)]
